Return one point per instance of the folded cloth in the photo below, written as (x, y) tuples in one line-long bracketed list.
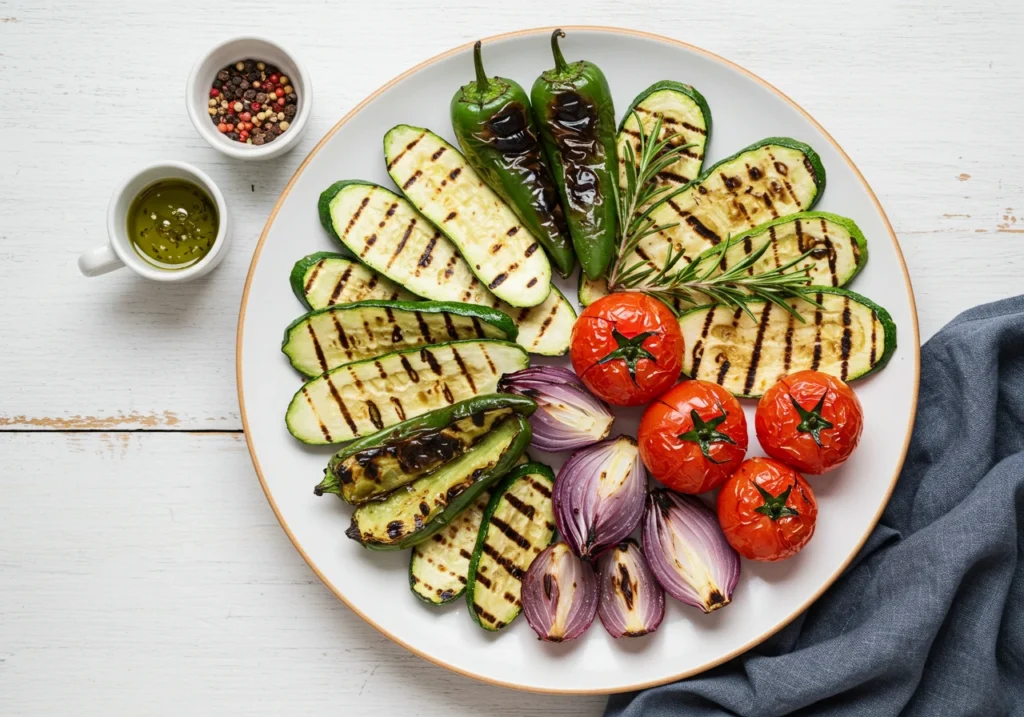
[(929, 618)]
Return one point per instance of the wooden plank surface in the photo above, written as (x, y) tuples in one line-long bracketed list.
[(143, 573)]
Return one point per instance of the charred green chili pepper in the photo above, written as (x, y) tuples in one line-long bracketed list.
[(576, 117), (494, 125)]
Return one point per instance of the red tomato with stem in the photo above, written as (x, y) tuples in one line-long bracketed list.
[(627, 348), (810, 420), (767, 510), (693, 437)]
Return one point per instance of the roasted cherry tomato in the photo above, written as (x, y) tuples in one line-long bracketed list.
[(767, 510), (810, 420), (693, 437), (627, 348)]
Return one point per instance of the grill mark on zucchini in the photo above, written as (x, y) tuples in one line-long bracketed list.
[(429, 359), (411, 180), (463, 370), (788, 355), (401, 243), (527, 510), (409, 370), (321, 359), (399, 408), (340, 286), (699, 227), (487, 357), (818, 316), (874, 340), (831, 253), (425, 333), (312, 275), (722, 372), (845, 343), (670, 120), (433, 157), (342, 336), (509, 532), (341, 405), (755, 357), (698, 357), (426, 257), (355, 215), (323, 428), (408, 147), (478, 328), (510, 567)]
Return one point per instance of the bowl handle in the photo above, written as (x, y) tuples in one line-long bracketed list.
[(100, 260)]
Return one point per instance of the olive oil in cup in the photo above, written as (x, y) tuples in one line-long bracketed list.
[(189, 245), (173, 224)]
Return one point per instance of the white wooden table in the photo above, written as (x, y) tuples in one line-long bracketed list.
[(141, 570)]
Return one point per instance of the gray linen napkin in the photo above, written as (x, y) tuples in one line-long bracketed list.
[(929, 619)]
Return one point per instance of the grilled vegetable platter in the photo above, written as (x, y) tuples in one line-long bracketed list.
[(569, 367)]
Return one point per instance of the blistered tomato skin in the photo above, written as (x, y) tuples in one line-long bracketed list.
[(627, 348), (760, 519), (688, 457), (810, 420)]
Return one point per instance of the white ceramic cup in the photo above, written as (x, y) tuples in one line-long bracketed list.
[(119, 252)]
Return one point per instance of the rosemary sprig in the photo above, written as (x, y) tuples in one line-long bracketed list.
[(697, 281)]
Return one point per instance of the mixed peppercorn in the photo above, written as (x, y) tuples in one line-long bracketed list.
[(252, 102)]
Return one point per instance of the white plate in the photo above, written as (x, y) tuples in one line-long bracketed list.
[(375, 585)]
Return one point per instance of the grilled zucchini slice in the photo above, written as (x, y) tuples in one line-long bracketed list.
[(362, 397), (837, 245), (684, 113), (414, 512), (374, 466), (518, 524), (327, 338), (387, 234), (772, 178), (342, 203), (439, 565), (438, 180), (325, 279), (850, 337), (544, 329)]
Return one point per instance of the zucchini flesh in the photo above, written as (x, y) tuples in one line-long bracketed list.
[(837, 245), (518, 524), (324, 279), (455, 283), (850, 337), (438, 180), (772, 178), (362, 397), (544, 329), (325, 339), (377, 470), (439, 566), (414, 512), (590, 290), (684, 114), (388, 235)]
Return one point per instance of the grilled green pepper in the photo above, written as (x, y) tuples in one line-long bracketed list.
[(494, 125), (576, 118), (374, 466)]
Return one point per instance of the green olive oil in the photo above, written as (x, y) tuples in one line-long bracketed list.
[(172, 224)]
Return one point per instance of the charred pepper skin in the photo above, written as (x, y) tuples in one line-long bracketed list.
[(494, 125), (574, 109)]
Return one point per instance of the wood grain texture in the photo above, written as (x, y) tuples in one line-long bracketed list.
[(145, 573)]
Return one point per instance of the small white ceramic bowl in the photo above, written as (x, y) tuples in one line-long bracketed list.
[(197, 94), (118, 251)]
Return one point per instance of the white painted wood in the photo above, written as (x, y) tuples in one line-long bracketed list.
[(145, 574)]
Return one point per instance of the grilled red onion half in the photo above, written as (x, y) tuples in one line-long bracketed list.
[(559, 594), (599, 496), (632, 602), (568, 416), (687, 550)]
